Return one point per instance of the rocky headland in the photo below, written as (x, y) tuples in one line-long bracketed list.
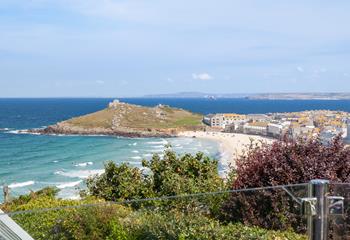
[(128, 120)]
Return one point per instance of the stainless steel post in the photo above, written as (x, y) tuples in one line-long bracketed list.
[(318, 224)]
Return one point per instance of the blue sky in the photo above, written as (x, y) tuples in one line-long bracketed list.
[(97, 48)]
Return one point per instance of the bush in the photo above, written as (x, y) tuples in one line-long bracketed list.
[(41, 225), (95, 222), (175, 225), (64, 222), (171, 175), (120, 222), (283, 162), (119, 182)]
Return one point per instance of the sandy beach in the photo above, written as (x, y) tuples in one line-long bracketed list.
[(232, 145)]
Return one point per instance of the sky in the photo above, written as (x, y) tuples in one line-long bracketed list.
[(106, 48)]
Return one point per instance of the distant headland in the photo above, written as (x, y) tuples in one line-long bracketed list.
[(257, 96)]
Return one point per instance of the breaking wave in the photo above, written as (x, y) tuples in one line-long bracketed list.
[(69, 184), (163, 142), (21, 184), (82, 174), (84, 164)]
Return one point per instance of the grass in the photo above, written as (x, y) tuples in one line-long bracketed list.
[(138, 117), (101, 119)]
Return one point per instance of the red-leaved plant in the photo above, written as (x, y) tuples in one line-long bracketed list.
[(281, 163)]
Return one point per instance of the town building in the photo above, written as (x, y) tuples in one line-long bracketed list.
[(257, 117), (256, 128), (207, 119), (214, 120), (223, 119), (325, 124), (274, 129)]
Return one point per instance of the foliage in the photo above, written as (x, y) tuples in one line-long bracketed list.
[(122, 223), (171, 175), (119, 182), (94, 222), (41, 225), (283, 162), (177, 225)]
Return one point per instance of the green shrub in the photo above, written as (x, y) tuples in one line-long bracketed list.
[(83, 222), (117, 232), (167, 176), (175, 175), (176, 225), (123, 223), (97, 222), (38, 225), (119, 182)]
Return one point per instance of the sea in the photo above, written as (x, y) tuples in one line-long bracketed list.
[(29, 162)]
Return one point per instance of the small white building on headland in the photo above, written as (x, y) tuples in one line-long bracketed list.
[(114, 104)]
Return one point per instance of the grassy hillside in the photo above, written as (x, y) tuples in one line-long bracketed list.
[(124, 115), (101, 118)]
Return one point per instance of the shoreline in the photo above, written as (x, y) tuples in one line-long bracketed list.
[(231, 145)]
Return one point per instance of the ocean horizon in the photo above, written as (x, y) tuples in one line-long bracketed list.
[(30, 162)]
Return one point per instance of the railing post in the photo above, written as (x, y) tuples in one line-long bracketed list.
[(6, 193), (318, 224)]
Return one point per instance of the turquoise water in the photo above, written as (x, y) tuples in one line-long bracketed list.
[(30, 162)]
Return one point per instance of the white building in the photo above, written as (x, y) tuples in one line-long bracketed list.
[(207, 119), (274, 129), (256, 128), (114, 104), (257, 117), (221, 120), (214, 120)]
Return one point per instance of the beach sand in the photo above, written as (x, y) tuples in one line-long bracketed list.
[(232, 145)]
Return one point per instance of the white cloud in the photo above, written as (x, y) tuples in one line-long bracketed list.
[(124, 83), (170, 80), (300, 69), (100, 82), (201, 76)]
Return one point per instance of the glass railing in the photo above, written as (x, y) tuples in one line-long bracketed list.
[(339, 211), (255, 213), (315, 210)]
